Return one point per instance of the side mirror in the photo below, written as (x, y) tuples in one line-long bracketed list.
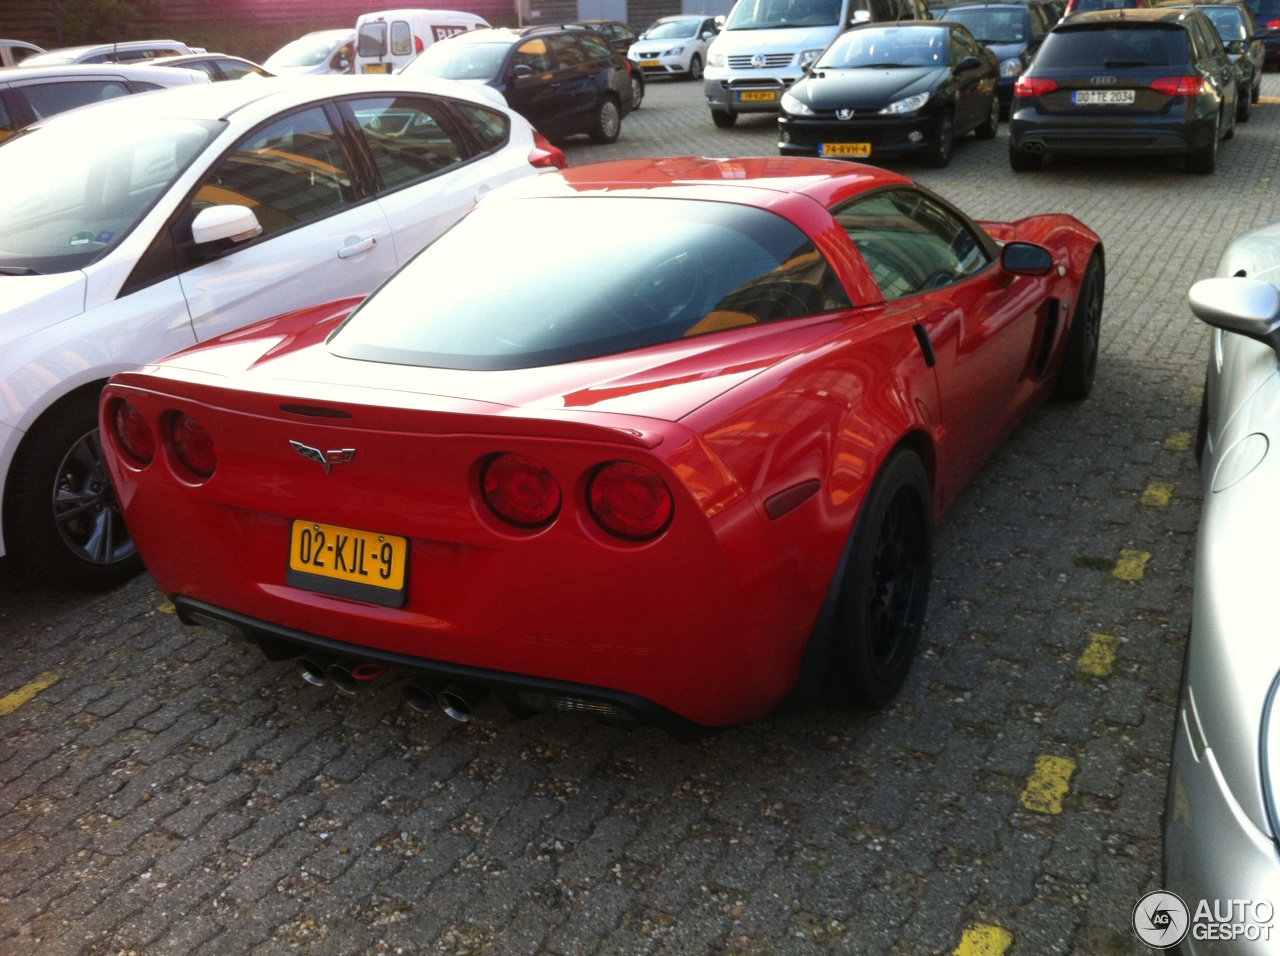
[(708, 34), (1248, 307), (521, 70), (213, 223), (860, 16), (967, 64), (1026, 259)]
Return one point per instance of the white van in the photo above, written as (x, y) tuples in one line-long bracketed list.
[(386, 41), (766, 45)]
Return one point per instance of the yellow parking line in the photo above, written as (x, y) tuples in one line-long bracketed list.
[(166, 608), (1132, 564), (1098, 657), (11, 702), (1178, 441), (979, 940), (1048, 784), (1158, 494)]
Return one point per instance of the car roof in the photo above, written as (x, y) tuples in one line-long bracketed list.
[(1132, 15), (130, 71), (684, 16), (218, 101)]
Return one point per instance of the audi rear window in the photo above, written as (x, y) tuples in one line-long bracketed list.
[(1113, 46), (706, 267)]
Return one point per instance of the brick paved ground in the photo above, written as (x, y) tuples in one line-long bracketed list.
[(169, 792)]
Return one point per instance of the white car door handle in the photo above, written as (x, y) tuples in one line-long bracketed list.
[(355, 245)]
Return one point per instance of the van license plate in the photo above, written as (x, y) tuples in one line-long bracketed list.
[(757, 96), (374, 68)]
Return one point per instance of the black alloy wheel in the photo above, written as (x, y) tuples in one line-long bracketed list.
[(1080, 362)]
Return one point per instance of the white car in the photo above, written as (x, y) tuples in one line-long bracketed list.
[(144, 225), (126, 51), (674, 46), (13, 52), (319, 53)]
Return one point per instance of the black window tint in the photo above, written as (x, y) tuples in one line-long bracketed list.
[(911, 243), (401, 39), (1090, 48), (565, 53), (410, 138), (289, 173), (712, 267), (372, 40), (596, 47), (533, 54), (48, 99), (491, 128)]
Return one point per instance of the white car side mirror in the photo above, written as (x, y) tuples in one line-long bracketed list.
[(236, 223), (1248, 307)]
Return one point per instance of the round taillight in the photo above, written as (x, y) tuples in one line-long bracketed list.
[(192, 445), (132, 433), (520, 490), (630, 501)]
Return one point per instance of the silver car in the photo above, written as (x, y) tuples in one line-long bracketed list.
[(1222, 819)]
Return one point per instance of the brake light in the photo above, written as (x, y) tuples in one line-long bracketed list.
[(520, 490), (192, 445), (630, 501), (1179, 85), (1273, 24), (544, 155), (417, 44), (1032, 86), (132, 433)]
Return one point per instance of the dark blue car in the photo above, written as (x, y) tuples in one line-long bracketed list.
[(1011, 31)]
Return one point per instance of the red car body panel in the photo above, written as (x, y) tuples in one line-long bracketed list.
[(769, 437)]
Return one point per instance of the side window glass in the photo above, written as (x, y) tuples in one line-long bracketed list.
[(596, 47), (289, 173), (50, 98), (204, 66), (910, 243), (7, 125), (235, 70), (565, 53), (410, 138), (490, 127), (401, 39), (533, 54)]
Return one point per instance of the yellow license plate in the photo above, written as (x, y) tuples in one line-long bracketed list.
[(348, 563), (650, 63), (757, 96), (846, 149), (374, 68)]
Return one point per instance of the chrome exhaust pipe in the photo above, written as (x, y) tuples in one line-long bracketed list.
[(1035, 148), (348, 677), (459, 700), (313, 670), (421, 695)]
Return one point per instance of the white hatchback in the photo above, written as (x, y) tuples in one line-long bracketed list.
[(151, 223), (674, 46)]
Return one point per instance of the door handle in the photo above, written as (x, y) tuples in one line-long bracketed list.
[(355, 245)]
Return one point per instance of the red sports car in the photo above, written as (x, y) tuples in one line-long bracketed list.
[(680, 479)]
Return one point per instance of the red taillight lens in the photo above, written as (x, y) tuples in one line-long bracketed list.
[(132, 433), (417, 44), (544, 155), (630, 501), (192, 445), (1179, 85), (520, 490), (1031, 86), (1273, 24)]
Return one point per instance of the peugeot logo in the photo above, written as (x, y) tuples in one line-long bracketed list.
[(844, 114), (326, 459), (1102, 80), (758, 60)]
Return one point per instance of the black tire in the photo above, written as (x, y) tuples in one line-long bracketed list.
[(1202, 423), (723, 118), (938, 155), (1203, 161), (695, 68), (1244, 101), (62, 520), (637, 91), (607, 123), (885, 590), (1080, 363), (991, 125), (1021, 161), (1256, 93)]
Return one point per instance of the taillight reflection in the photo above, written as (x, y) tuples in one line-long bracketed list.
[(520, 491), (132, 433), (544, 155), (192, 445), (630, 501)]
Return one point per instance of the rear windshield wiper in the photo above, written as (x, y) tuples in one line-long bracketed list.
[(17, 271)]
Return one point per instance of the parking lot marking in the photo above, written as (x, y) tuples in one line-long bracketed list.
[(11, 702), (982, 940), (1178, 441), (1132, 564), (166, 608), (1048, 784), (1158, 494), (1098, 657)]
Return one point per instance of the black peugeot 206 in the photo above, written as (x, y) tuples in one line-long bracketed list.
[(893, 89)]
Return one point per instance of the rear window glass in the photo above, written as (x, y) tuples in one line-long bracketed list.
[(992, 25), (1088, 6), (710, 267), (1228, 22), (1114, 47), (459, 60)]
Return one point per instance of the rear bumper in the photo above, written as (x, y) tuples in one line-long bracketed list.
[(1099, 136)]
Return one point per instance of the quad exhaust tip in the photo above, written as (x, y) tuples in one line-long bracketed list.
[(459, 700)]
